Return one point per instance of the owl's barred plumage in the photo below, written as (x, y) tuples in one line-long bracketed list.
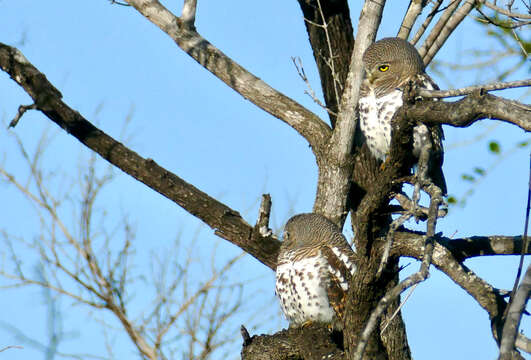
[(314, 268), (389, 65)]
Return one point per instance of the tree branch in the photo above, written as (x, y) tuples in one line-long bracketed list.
[(335, 167), (475, 246), (505, 12), (514, 315), (470, 89), (426, 22), (412, 244), (306, 123), (447, 29), (474, 107), (227, 223), (414, 10)]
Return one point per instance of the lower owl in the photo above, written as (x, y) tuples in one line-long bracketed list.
[(314, 268)]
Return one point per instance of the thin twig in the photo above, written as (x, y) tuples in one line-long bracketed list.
[(302, 74), (426, 22), (505, 12), (330, 53), (525, 239), (518, 298), (11, 347), (470, 89)]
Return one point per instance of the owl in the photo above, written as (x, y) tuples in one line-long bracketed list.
[(314, 268), (390, 64)]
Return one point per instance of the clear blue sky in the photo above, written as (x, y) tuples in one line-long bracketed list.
[(111, 58)]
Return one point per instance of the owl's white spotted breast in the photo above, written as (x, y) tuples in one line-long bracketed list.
[(375, 120), (302, 287)]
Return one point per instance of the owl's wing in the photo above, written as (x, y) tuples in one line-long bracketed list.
[(437, 135), (341, 267)]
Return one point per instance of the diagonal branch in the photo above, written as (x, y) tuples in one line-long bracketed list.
[(412, 245), (427, 22), (309, 125), (447, 29), (227, 223)]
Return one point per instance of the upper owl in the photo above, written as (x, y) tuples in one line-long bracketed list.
[(389, 63)]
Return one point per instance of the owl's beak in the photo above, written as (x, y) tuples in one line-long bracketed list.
[(369, 75)]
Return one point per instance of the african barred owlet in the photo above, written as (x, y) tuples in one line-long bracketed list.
[(389, 65), (315, 265)]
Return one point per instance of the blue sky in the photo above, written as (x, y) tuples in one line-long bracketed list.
[(112, 59)]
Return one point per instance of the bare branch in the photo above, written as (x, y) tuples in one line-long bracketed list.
[(470, 89), (21, 110), (447, 30), (426, 22), (262, 224), (514, 315), (309, 125), (414, 279), (430, 40), (413, 12), (188, 12), (474, 107), (503, 11), (227, 223), (334, 182), (11, 347)]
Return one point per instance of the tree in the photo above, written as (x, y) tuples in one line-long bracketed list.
[(349, 180)]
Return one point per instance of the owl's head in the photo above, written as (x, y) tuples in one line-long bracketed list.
[(389, 62), (307, 230)]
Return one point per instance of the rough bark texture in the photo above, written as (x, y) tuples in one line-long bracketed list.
[(341, 39)]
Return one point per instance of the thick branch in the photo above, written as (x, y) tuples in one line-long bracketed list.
[(470, 109), (309, 125), (413, 12), (335, 167), (475, 246), (227, 222)]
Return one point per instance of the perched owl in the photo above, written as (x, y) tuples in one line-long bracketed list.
[(389, 65), (315, 265)]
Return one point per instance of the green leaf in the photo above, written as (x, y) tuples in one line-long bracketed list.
[(452, 200), (467, 177), (479, 171), (494, 147), (523, 144)]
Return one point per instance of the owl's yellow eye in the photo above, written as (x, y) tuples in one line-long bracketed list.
[(383, 68)]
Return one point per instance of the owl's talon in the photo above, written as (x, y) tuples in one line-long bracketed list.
[(307, 324)]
